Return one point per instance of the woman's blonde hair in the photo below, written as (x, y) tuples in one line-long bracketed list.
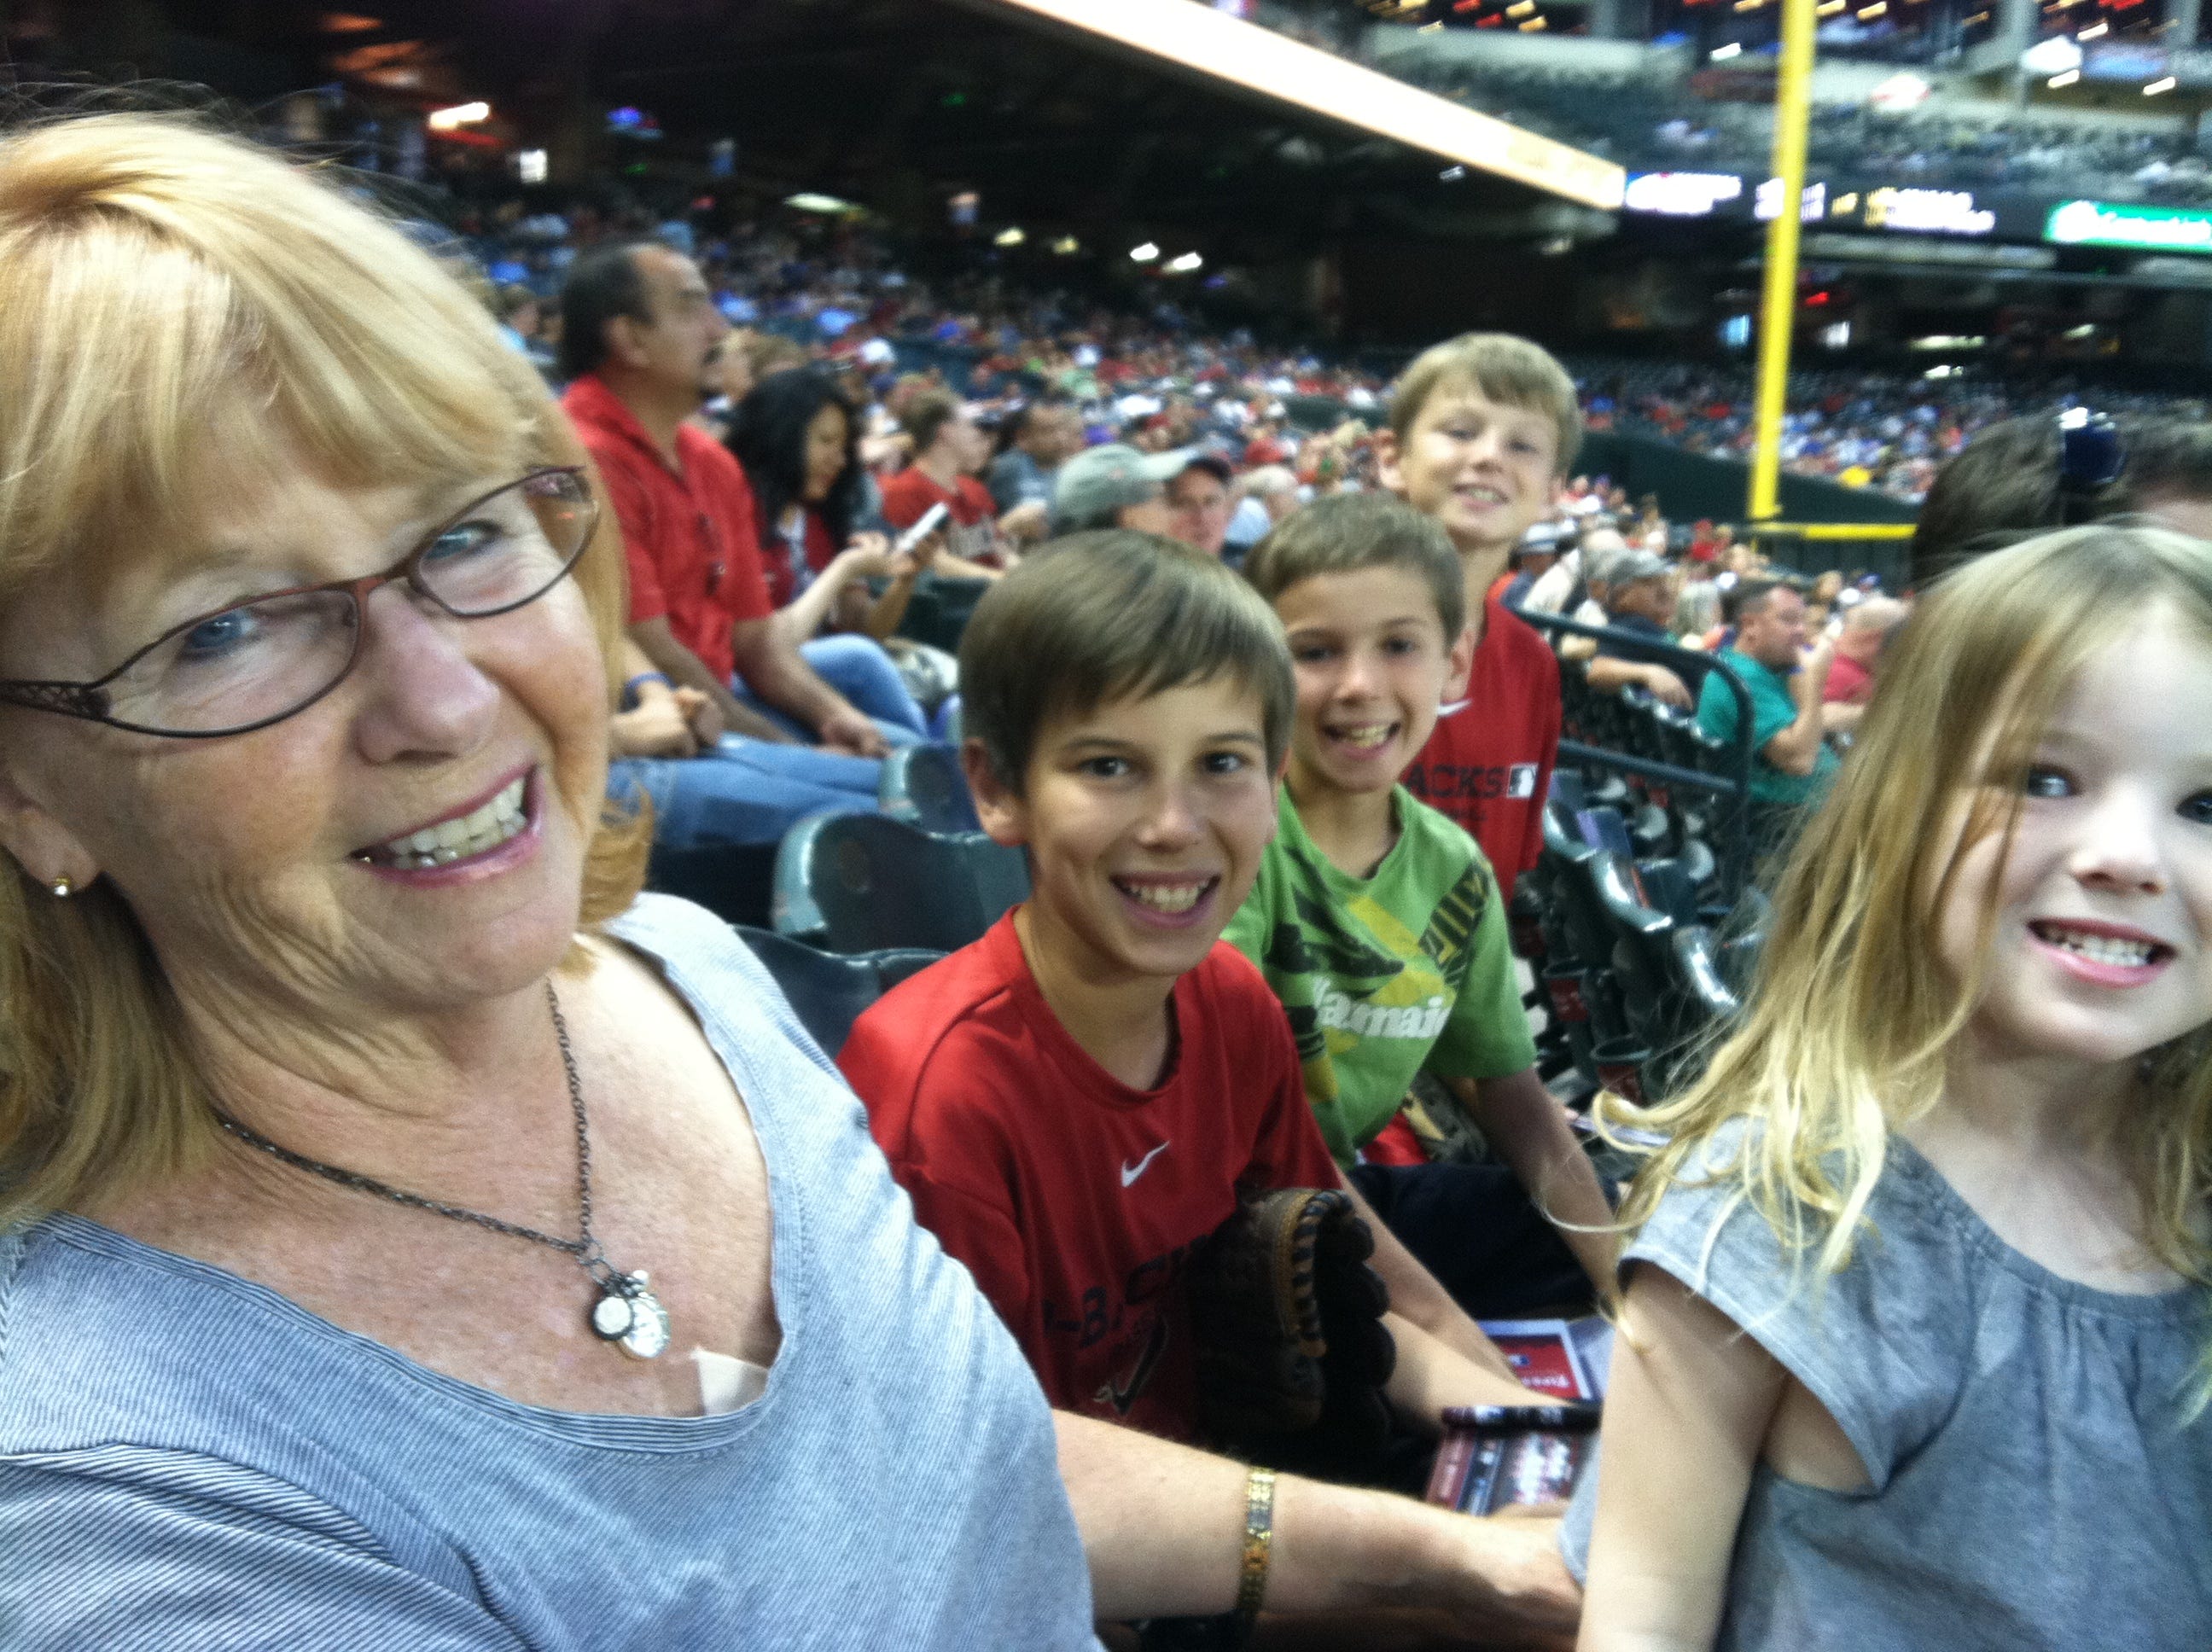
[(180, 310), (1852, 1014)]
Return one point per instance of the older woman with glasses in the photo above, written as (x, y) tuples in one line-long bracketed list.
[(411, 1237), (416, 1242)]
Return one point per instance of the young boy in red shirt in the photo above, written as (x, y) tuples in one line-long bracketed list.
[(1078, 1100), (948, 449), (1482, 429)]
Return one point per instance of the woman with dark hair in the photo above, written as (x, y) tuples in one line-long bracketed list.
[(797, 439)]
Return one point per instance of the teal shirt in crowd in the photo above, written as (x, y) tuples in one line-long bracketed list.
[(1772, 710)]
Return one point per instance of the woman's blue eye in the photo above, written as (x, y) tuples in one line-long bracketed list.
[(462, 540), (2046, 782), (217, 636)]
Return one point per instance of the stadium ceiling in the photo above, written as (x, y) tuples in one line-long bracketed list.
[(1052, 110)]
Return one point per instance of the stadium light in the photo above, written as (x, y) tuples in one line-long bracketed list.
[(530, 165), (1867, 15), (1067, 246), (1733, 49), (2096, 31), (461, 114), (2166, 84), (808, 201), (2066, 79), (1183, 265), (1144, 254), (1226, 50), (1009, 237)]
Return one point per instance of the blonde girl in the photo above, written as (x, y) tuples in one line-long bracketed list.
[(1914, 1341)]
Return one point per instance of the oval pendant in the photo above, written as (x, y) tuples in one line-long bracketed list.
[(611, 1317), (647, 1334)]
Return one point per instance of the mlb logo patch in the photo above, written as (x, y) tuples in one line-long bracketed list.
[(1521, 780)]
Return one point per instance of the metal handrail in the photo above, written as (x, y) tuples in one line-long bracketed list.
[(1734, 851)]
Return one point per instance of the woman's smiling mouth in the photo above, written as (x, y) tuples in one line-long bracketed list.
[(491, 825)]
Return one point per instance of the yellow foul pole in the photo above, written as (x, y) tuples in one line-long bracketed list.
[(1793, 98)]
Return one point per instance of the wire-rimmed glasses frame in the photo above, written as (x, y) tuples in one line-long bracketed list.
[(92, 701)]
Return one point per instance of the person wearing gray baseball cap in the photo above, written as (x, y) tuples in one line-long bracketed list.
[(1114, 486), (1633, 590)]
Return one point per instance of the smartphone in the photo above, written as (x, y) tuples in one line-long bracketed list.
[(932, 519), (1496, 1457)]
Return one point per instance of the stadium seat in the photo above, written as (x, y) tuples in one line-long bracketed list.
[(1640, 953), (1698, 976), (734, 881), (923, 785), (937, 611), (1741, 938), (861, 883), (828, 991)]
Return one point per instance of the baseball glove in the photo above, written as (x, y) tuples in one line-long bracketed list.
[(1286, 1314)]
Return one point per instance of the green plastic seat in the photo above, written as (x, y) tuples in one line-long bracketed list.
[(924, 786), (830, 991), (864, 883)]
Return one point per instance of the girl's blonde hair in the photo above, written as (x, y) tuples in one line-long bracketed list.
[(179, 312), (1852, 1013)]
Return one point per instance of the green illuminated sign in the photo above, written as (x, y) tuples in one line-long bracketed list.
[(2115, 223)]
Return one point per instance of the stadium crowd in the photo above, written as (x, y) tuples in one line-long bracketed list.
[(836, 296), (1650, 123), (384, 1263)]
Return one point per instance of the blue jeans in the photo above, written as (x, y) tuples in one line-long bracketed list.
[(860, 669), (744, 790)]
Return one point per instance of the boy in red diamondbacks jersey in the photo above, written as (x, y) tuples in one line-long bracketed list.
[(1080, 1098), (947, 449), (1482, 429)]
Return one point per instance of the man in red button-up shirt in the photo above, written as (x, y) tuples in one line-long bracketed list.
[(639, 328)]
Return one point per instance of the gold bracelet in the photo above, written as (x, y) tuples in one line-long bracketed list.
[(1259, 1543)]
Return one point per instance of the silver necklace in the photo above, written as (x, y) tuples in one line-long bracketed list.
[(626, 1313)]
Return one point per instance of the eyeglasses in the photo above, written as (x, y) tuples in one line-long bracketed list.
[(255, 663)]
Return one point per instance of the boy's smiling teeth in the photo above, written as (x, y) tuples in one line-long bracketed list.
[(2098, 948), (1174, 899), (475, 833), (1366, 736)]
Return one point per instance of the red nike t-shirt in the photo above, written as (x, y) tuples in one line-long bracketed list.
[(1488, 765), (1074, 1199)]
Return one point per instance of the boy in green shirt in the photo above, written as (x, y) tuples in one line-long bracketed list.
[(1379, 925)]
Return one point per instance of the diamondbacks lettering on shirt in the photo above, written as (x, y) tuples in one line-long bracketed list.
[(1444, 782), (1124, 1391), (1136, 1324)]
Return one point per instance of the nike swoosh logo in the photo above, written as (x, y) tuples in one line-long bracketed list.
[(1131, 1172)]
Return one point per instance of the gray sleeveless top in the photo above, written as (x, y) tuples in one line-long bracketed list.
[(2035, 1482), (189, 1462)]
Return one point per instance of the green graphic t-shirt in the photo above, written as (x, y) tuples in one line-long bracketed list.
[(1385, 975)]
